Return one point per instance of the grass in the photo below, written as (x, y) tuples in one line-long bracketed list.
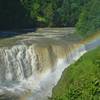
[(80, 81)]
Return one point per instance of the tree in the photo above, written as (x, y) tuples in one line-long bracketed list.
[(68, 11), (39, 13), (89, 21)]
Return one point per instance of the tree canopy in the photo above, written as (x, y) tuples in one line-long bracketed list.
[(41, 13), (89, 21)]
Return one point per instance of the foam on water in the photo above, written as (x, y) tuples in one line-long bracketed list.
[(31, 71)]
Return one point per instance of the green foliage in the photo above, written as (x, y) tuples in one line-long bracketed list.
[(29, 13), (80, 81), (89, 21), (68, 13)]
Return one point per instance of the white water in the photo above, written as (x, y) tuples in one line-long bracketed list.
[(32, 71), (18, 72)]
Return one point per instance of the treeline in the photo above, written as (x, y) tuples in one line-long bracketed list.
[(39, 13), (89, 20)]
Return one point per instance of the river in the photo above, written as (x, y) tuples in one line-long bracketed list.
[(32, 65)]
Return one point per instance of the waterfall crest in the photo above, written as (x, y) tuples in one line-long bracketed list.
[(21, 61)]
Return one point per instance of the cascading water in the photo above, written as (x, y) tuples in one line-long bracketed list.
[(28, 67), (29, 70)]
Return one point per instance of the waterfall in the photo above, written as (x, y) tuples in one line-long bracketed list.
[(29, 70), (35, 67), (22, 61)]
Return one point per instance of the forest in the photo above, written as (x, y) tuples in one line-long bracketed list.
[(39, 13)]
